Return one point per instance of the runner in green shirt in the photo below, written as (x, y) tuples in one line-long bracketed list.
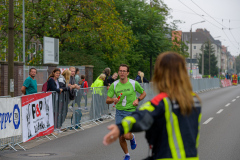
[(126, 104)]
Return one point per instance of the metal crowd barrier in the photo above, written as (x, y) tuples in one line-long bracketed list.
[(89, 107), (204, 84)]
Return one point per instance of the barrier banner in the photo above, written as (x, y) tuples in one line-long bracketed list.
[(37, 115), (226, 83), (10, 117)]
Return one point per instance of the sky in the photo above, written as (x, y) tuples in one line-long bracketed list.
[(218, 15)]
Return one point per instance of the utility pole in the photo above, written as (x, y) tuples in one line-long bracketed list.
[(151, 53), (191, 53), (10, 50), (203, 61), (23, 15)]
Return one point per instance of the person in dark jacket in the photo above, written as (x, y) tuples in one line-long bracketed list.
[(171, 119), (112, 78), (53, 83), (107, 72), (142, 78), (138, 76)]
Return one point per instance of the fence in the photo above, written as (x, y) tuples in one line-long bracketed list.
[(204, 84), (89, 106)]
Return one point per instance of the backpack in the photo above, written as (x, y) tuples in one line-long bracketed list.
[(82, 85), (45, 87)]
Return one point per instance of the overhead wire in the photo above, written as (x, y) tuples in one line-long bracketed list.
[(198, 14), (223, 27)]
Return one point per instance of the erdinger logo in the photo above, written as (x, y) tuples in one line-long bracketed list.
[(9, 117), (16, 116)]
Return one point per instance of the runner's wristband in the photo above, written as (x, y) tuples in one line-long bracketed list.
[(139, 99)]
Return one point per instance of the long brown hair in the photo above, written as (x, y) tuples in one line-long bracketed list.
[(54, 71), (171, 77)]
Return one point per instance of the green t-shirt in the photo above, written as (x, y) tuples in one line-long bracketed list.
[(31, 85), (128, 94)]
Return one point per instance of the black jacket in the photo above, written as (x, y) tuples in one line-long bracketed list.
[(144, 80), (106, 81), (110, 80), (52, 86), (163, 123)]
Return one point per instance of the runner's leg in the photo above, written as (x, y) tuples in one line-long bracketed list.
[(123, 144)]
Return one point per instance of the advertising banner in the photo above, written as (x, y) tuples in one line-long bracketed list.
[(10, 117), (37, 115)]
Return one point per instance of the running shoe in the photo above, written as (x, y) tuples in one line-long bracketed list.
[(127, 157), (133, 142)]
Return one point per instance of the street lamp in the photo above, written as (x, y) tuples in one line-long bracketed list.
[(191, 48), (219, 60)]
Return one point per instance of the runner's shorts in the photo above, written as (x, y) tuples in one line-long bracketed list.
[(120, 115)]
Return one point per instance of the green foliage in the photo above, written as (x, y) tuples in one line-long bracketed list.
[(149, 27), (102, 33), (237, 62), (213, 60)]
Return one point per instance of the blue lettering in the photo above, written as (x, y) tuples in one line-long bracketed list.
[(7, 118), (1, 119)]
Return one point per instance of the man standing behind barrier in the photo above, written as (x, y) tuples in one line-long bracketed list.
[(30, 84), (126, 104), (72, 83)]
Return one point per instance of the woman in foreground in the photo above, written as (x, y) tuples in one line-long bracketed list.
[(171, 119)]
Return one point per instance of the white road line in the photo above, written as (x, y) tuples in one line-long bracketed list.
[(227, 104), (238, 96), (220, 111), (207, 121), (233, 100)]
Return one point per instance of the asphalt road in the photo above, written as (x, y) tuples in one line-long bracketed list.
[(219, 136)]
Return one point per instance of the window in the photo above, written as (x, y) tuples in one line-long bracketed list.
[(194, 47), (39, 47), (34, 48)]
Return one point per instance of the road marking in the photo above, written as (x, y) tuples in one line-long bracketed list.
[(237, 96), (220, 111), (227, 104), (233, 100), (207, 121)]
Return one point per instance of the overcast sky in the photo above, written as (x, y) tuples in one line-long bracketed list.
[(217, 15)]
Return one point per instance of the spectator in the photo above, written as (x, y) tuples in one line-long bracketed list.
[(142, 78), (64, 79), (138, 76), (53, 83), (30, 84), (83, 92), (107, 72), (72, 83), (112, 78), (77, 78), (97, 95)]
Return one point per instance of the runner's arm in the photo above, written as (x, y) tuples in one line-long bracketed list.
[(110, 100)]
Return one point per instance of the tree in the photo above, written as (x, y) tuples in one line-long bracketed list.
[(213, 60), (149, 27), (237, 60), (79, 25)]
